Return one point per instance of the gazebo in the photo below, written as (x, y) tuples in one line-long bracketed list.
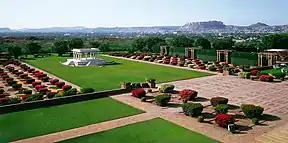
[(273, 56), (86, 57), (225, 57)]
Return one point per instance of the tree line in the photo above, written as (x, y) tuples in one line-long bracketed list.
[(34, 45)]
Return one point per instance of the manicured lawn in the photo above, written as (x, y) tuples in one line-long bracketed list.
[(109, 77), (30, 123), (152, 131)]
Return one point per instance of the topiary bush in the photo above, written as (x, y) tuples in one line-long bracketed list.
[(66, 87), (266, 78), (35, 83), (221, 109), (223, 120), (51, 95), (138, 93), (60, 84), (34, 97), (11, 82), (244, 75), (17, 86), (72, 91), (192, 109), (166, 88), (27, 92), (255, 72), (252, 111), (86, 90), (43, 90), (37, 87), (53, 81), (188, 94), (162, 99), (218, 100), (45, 79), (30, 81)]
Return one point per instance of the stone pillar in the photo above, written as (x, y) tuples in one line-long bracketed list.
[(192, 53), (227, 56)]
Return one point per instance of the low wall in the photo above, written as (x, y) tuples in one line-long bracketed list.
[(59, 101)]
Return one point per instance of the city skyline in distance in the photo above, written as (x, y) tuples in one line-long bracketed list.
[(140, 13)]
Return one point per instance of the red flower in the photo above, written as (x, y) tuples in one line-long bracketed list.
[(202, 67), (38, 87), (23, 97), (266, 78), (53, 81), (188, 94), (66, 87), (223, 120), (255, 72), (31, 70), (36, 83), (60, 84), (138, 93)]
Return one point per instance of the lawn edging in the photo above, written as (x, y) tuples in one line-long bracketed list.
[(60, 101)]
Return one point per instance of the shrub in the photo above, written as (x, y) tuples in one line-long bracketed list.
[(162, 99), (27, 92), (34, 97), (279, 75), (200, 119), (212, 68), (23, 75), (223, 120), (43, 90), (11, 82), (244, 75), (14, 100), (282, 79), (255, 72), (72, 91), (54, 81), (9, 79), (16, 86), (30, 80), (266, 78), (2, 91), (202, 67), (45, 79), (218, 100), (221, 109), (4, 77), (252, 111), (192, 109), (4, 101), (138, 93), (60, 84), (31, 70), (255, 121), (51, 94), (86, 90), (166, 88), (2, 95), (36, 83), (66, 87), (145, 85), (138, 85), (188, 94), (37, 87)]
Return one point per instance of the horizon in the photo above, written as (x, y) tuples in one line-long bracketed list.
[(33, 14)]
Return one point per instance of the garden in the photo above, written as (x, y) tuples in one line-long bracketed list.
[(155, 130), (217, 110), (266, 74), (109, 77)]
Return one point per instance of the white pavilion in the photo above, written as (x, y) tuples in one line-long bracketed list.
[(86, 57)]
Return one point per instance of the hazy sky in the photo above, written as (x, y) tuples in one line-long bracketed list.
[(111, 13)]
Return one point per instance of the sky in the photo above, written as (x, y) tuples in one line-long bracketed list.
[(18, 14)]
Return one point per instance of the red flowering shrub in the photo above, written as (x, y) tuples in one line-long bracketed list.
[(2, 74), (202, 67), (36, 83), (223, 120), (188, 94), (197, 62), (60, 84), (174, 61), (15, 71), (266, 78), (43, 90), (35, 71), (38, 87), (23, 97), (66, 87), (31, 70), (166, 60), (53, 81), (4, 77), (2, 95), (254, 72), (138, 93), (19, 73)]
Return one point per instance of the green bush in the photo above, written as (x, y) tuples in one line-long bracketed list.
[(221, 109), (87, 90), (10, 83), (166, 88), (218, 100), (14, 100), (16, 86), (244, 75), (192, 109), (200, 119), (34, 97), (72, 91), (162, 99), (58, 95), (252, 111), (255, 121)]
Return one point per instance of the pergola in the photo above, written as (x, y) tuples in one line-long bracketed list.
[(273, 56), (226, 55), (190, 52), (163, 50), (85, 53)]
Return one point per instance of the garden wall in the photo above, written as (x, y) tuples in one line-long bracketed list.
[(59, 101), (244, 58), (206, 55), (173, 51)]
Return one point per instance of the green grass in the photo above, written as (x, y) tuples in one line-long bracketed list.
[(275, 72), (152, 131), (30, 123), (109, 77)]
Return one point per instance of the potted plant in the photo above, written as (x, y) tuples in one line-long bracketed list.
[(151, 82)]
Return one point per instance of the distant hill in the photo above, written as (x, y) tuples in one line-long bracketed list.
[(192, 27)]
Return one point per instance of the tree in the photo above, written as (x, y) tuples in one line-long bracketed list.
[(203, 42), (76, 43), (33, 47), (139, 44), (104, 47), (15, 51), (95, 44), (220, 44), (61, 47), (153, 43), (275, 41), (182, 41)]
